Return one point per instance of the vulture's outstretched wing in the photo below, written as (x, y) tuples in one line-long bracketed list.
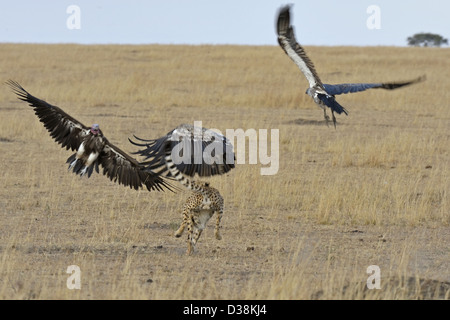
[(66, 130), (191, 149), (335, 89), (289, 44), (95, 149), (119, 167)]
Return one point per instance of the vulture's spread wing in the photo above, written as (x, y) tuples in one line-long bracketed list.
[(289, 44), (119, 167), (335, 89), (191, 149), (66, 130)]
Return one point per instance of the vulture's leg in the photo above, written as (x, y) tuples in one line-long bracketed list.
[(327, 118)]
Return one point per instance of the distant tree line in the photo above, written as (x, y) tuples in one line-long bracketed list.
[(426, 40)]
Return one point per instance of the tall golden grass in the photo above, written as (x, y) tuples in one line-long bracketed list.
[(372, 192)]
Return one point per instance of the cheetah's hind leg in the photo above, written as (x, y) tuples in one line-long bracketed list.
[(180, 230), (186, 212)]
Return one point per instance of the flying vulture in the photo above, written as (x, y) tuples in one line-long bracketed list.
[(323, 94), (187, 150), (91, 146)]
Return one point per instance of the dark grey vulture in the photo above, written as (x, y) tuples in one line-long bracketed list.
[(187, 150), (323, 94), (91, 146)]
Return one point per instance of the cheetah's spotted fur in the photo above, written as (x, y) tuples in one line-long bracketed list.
[(198, 209)]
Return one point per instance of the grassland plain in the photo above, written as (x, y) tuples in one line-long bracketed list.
[(375, 191)]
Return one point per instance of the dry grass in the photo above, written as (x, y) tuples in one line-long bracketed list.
[(372, 192)]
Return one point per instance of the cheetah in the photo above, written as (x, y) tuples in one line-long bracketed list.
[(198, 209)]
